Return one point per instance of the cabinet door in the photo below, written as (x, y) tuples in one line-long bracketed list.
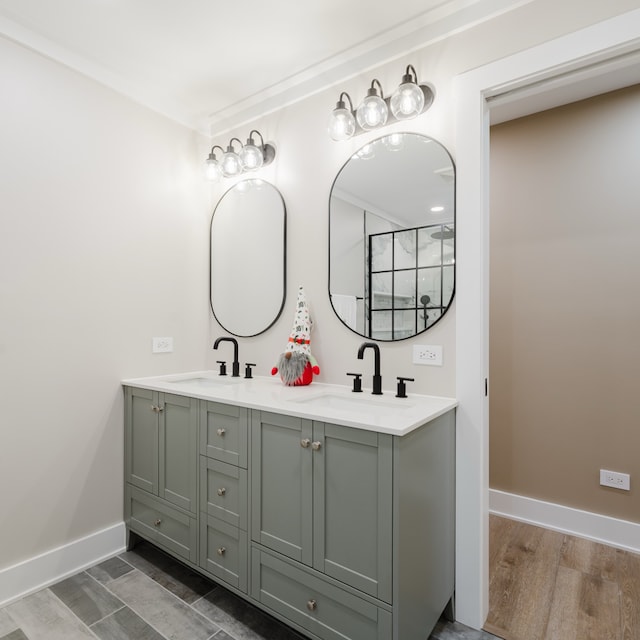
[(141, 444), (352, 496), (281, 485), (178, 450)]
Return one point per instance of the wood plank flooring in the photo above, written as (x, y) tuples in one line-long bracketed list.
[(546, 585)]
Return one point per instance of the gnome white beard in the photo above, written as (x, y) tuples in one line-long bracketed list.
[(291, 366)]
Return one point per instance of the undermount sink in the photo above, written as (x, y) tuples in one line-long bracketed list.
[(202, 381), (357, 403)]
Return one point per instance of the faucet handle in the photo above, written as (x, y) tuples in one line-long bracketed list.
[(223, 367), (247, 369), (357, 382), (402, 387)]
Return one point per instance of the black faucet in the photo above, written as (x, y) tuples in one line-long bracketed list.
[(236, 362), (377, 378)]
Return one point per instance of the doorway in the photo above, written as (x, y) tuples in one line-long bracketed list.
[(568, 69)]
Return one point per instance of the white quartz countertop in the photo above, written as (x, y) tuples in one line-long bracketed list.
[(318, 401)]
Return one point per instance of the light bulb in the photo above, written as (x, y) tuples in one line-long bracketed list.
[(407, 101), (230, 164), (212, 170), (211, 167), (342, 124), (251, 156), (373, 111)]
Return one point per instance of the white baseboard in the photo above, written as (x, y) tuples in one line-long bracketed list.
[(584, 524), (41, 571)]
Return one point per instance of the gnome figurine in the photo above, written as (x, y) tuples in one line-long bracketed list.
[(296, 364)]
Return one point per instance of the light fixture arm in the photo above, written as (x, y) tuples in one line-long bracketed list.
[(372, 90), (212, 155), (407, 77), (341, 104), (250, 138)]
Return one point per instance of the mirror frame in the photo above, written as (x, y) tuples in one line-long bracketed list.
[(284, 260), (453, 291)]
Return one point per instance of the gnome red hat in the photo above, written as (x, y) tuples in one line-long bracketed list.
[(296, 364)]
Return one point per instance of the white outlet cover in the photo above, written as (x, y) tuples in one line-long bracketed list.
[(162, 345), (427, 354)]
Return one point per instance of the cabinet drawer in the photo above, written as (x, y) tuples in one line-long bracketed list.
[(223, 551), (223, 432), (159, 523), (320, 607), (223, 491)]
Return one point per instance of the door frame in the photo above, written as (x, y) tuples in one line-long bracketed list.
[(599, 58)]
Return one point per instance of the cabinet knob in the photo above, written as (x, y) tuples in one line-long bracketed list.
[(220, 551), (316, 445), (156, 409), (221, 491), (305, 443), (221, 431), (312, 605), (157, 522)]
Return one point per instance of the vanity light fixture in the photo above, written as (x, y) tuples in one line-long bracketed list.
[(249, 157), (409, 100)]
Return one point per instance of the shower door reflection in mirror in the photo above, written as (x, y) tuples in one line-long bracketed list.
[(392, 237)]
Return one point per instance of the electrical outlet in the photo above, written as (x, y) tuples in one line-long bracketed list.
[(427, 354), (162, 345), (615, 479)]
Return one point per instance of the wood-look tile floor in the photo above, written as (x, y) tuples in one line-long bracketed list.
[(144, 594), (546, 585)]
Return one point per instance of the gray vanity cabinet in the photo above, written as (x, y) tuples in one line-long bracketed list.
[(343, 533), (322, 495), (161, 447)]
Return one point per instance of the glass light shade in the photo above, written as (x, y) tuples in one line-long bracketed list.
[(231, 164), (212, 171), (342, 124), (372, 112), (407, 101), (251, 157)]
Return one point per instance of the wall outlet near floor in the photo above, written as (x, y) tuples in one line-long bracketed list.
[(615, 479), (427, 354), (162, 345)]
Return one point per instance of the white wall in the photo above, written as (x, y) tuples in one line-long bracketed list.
[(103, 244)]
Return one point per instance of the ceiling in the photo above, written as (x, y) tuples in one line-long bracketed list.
[(213, 65)]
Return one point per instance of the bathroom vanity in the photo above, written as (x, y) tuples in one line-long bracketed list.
[(331, 510)]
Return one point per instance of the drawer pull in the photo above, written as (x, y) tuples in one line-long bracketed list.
[(221, 431), (316, 445), (157, 523), (312, 605), (220, 551), (221, 491), (305, 443)]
